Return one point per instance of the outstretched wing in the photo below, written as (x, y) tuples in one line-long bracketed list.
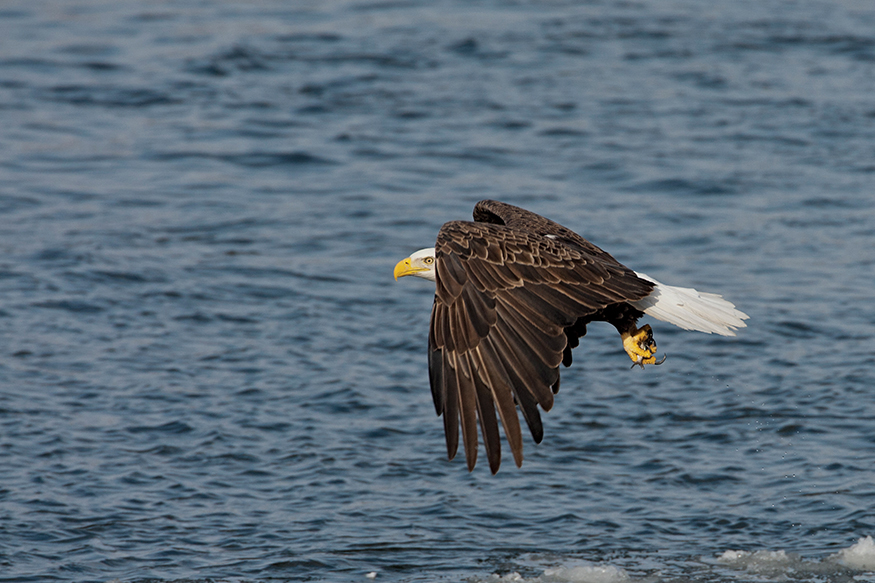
[(504, 296)]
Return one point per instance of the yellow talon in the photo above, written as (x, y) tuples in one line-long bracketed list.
[(640, 346)]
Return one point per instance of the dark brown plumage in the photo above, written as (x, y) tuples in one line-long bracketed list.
[(514, 293)]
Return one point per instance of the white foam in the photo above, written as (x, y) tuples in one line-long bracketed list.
[(769, 563), (848, 564), (778, 564), (588, 574), (574, 574), (513, 577), (860, 555)]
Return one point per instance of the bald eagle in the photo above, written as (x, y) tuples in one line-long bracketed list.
[(514, 293)]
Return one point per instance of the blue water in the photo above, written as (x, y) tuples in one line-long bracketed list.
[(208, 372)]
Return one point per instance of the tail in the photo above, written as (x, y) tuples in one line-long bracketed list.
[(691, 309)]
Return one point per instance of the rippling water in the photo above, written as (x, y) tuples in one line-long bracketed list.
[(207, 371)]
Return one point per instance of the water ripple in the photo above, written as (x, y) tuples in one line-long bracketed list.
[(209, 373)]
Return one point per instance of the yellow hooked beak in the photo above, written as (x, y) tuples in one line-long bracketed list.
[(405, 267)]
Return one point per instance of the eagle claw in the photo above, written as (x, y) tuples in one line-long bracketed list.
[(652, 360)]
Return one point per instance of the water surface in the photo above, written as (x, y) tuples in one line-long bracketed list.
[(207, 371)]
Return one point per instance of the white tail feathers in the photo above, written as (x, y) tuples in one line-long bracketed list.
[(691, 309)]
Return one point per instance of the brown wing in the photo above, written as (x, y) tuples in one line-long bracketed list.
[(504, 296), (501, 213)]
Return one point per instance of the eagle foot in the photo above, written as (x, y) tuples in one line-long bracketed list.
[(640, 346)]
